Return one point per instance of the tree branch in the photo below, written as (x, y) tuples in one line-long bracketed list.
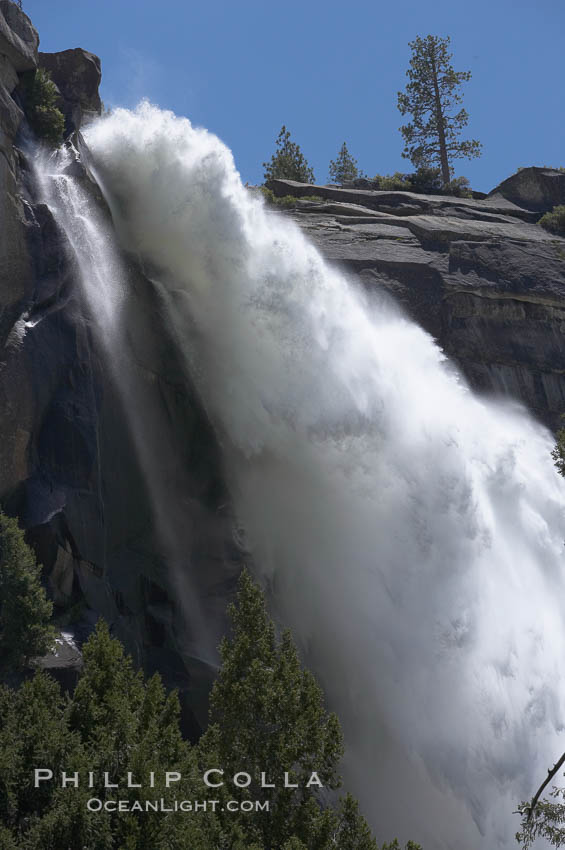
[(550, 774)]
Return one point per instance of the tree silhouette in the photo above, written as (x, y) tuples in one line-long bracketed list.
[(288, 162), (343, 167), (432, 93)]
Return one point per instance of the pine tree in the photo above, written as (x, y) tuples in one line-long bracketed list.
[(116, 722), (352, 832), (343, 167), (24, 608), (268, 716), (267, 713), (432, 93), (41, 98), (288, 163)]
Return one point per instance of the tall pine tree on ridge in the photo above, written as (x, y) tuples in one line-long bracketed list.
[(432, 93)]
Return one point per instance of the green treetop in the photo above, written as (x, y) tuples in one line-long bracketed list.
[(24, 608), (115, 722), (41, 98), (288, 163), (267, 716), (343, 167), (431, 97)]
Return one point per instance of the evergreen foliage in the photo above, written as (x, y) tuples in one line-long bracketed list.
[(285, 201), (267, 716), (554, 221), (432, 93), (115, 722), (24, 608), (424, 181), (343, 167), (45, 118), (288, 162)]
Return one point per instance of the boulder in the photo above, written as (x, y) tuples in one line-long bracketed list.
[(18, 38), (77, 75), (538, 189), (65, 663)]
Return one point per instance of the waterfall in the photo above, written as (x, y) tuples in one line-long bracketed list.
[(409, 532), (116, 319)]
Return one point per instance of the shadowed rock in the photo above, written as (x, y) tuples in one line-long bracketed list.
[(18, 38), (480, 275), (77, 75)]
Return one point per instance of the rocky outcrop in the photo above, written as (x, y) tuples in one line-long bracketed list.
[(480, 275), (64, 663), (77, 75), (18, 38), (406, 203), (538, 189)]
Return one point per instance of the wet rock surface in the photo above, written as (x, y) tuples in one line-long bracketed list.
[(480, 275), (70, 465)]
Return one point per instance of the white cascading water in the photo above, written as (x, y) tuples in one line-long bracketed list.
[(410, 533), (103, 280)]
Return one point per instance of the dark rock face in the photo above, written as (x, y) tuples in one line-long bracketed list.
[(18, 38), (70, 464), (82, 491), (538, 189), (77, 75), (18, 53), (65, 664), (480, 275)]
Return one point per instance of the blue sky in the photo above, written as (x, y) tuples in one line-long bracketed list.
[(328, 70)]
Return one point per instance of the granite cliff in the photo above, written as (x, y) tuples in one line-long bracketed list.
[(479, 274)]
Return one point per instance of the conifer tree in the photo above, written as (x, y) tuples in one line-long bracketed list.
[(352, 832), (268, 716), (24, 608), (288, 162), (431, 97), (267, 713), (343, 167), (41, 98), (116, 722)]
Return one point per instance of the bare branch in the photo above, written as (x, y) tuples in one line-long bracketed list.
[(550, 774)]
